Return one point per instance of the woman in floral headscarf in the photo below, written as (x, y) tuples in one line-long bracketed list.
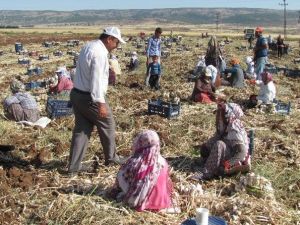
[(21, 105), (229, 145), (143, 182)]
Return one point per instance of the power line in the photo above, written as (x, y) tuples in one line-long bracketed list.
[(218, 20), (284, 15)]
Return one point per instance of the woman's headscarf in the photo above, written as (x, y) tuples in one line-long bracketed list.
[(16, 86), (234, 61), (140, 173), (213, 52), (63, 72), (235, 128), (249, 60), (232, 128), (266, 77)]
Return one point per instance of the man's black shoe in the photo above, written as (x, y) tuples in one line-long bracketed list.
[(118, 160)]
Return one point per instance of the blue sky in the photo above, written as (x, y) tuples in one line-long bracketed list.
[(69, 5)]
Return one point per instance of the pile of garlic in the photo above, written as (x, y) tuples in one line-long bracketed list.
[(252, 181)]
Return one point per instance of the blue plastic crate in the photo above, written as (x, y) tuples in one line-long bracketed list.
[(34, 71), (18, 47), (58, 108), (293, 73), (212, 220), (33, 85), (165, 109), (58, 53), (23, 61), (283, 108)]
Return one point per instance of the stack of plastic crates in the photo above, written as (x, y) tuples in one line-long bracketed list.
[(58, 108), (165, 109)]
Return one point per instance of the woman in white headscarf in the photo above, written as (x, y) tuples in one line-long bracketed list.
[(64, 84)]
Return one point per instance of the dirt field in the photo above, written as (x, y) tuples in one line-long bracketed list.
[(33, 191)]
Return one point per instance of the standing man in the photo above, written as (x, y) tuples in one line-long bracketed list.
[(88, 99), (153, 49), (260, 52)]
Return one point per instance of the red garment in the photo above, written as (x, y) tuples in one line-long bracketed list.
[(64, 84), (203, 91), (203, 98), (160, 196)]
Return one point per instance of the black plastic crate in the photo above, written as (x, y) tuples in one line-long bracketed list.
[(271, 69), (293, 73), (283, 108), (281, 69), (43, 57), (165, 109), (251, 136), (58, 108)]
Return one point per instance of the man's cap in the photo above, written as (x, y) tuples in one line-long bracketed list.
[(259, 29), (115, 32), (134, 53)]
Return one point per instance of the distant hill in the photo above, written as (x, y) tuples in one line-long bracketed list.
[(238, 16)]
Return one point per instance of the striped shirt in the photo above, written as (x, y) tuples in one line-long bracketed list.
[(154, 47)]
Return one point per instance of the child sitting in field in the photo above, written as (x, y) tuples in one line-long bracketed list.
[(153, 73)]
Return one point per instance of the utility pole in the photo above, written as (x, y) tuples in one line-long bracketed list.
[(218, 21), (284, 15)]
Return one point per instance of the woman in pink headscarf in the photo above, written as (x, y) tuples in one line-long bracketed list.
[(143, 181), (229, 146)]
